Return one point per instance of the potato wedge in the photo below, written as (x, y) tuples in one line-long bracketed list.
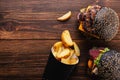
[(57, 48), (57, 45), (71, 52), (88, 8), (67, 60), (66, 39), (65, 16), (74, 59), (76, 48), (83, 10), (64, 53)]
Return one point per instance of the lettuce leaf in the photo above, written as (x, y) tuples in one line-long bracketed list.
[(97, 60)]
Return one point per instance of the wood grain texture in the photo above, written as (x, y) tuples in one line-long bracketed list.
[(23, 24), (28, 29)]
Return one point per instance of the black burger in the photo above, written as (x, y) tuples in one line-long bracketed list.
[(104, 64), (100, 22)]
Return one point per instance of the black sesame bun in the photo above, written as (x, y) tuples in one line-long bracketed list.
[(100, 22), (104, 64), (109, 66)]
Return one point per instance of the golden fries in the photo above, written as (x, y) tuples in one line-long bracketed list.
[(83, 10), (73, 59), (65, 60), (65, 16), (88, 8), (63, 52), (66, 39), (76, 48), (57, 48)]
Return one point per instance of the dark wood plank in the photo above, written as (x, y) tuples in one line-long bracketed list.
[(40, 5), (32, 25), (44, 46), (27, 58), (41, 30), (51, 6)]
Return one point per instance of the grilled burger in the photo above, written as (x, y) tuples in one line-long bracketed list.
[(100, 22), (104, 64)]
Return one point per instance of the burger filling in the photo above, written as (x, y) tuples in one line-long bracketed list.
[(95, 56), (86, 18)]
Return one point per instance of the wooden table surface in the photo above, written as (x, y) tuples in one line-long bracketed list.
[(28, 29)]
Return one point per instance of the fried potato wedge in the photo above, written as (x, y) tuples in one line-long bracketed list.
[(57, 45), (64, 53), (66, 39), (83, 10), (88, 8), (67, 60), (74, 59), (57, 48), (65, 17), (76, 48)]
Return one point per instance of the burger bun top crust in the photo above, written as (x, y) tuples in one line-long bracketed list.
[(106, 23)]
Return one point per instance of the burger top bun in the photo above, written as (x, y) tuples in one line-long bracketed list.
[(106, 23), (109, 67)]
